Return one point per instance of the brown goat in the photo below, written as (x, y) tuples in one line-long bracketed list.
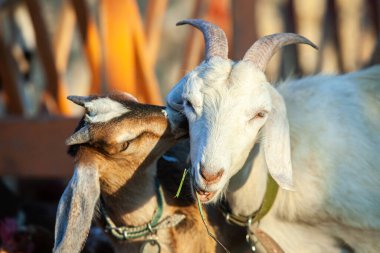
[(116, 148)]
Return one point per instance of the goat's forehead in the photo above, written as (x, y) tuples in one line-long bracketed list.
[(242, 88), (232, 102), (239, 77), (209, 73), (245, 75)]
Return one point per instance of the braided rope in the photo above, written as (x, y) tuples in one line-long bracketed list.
[(150, 228)]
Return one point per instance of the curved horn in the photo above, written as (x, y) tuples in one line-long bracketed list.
[(79, 100), (79, 137), (263, 49), (215, 38)]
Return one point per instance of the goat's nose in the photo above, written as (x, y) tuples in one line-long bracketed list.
[(211, 178)]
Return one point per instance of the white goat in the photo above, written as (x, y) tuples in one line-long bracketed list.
[(326, 127), (116, 148)]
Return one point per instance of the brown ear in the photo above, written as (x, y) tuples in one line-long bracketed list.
[(76, 209), (277, 143)]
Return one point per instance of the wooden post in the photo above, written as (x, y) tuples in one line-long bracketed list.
[(55, 95), (9, 78), (194, 42), (153, 26), (374, 7), (348, 22), (91, 43), (128, 65), (289, 56), (244, 27), (148, 88), (308, 22), (117, 45), (64, 37), (330, 56)]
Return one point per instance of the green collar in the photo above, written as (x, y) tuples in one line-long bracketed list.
[(245, 221), (130, 232)]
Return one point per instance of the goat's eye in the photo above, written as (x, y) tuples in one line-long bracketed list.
[(259, 115), (124, 146)]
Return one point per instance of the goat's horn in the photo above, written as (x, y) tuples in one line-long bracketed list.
[(215, 38), (263, 49), (79, 100), (79, 137)]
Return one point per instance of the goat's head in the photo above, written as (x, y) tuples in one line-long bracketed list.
[(230, 106), (115, 132)]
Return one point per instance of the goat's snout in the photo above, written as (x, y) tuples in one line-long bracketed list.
[(209, 177)]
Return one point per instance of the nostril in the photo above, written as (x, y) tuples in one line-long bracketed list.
[(211, 177)]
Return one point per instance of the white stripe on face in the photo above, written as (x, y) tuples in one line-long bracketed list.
[(104, 109)]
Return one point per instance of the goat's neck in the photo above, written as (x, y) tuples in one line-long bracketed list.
[(134, 204), (246, 189), (130, 201)]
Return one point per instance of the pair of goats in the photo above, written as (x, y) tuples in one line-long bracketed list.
[(116, 147), (318, 138)]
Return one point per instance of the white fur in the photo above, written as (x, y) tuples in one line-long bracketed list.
[(334, 131), (104, 109)]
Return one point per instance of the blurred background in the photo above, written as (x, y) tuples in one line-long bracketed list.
[(53, 48)]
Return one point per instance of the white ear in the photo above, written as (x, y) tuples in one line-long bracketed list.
[(277, 142), (76, 209)]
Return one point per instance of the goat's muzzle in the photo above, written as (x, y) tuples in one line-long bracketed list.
[(211, 178)]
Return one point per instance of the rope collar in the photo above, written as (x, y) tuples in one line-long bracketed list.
[(133, 232), (266, 205)]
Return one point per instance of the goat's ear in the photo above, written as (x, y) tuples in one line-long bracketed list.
[(76, 209), (277, 142), (174, 107)]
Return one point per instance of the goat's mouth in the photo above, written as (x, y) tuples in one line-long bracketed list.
[(204, 196)]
